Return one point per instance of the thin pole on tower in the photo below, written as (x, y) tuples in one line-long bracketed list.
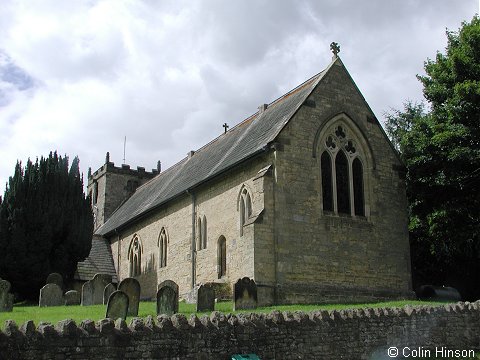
[(124, 146)]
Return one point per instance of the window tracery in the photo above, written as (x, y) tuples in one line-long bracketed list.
[(342, 173)]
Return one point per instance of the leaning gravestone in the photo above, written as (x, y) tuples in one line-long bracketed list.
[(117, 305), (92, 291), (245, 294), (131, 287), (55, 278), (6, 299), (72, 297), (167, 298), (51, 295), (109, 289), (205, 298)]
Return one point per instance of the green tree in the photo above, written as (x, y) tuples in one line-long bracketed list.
[(441, 150), (46, 223)]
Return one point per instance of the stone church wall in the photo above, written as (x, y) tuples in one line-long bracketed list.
[(327, 257), (292, 248), (176, 219), (218, 202), (346, 334)]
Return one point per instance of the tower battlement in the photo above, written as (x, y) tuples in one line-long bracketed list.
[(111, 185)]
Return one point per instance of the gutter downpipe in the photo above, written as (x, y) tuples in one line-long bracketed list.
[(275, 237), (193, 250), (119, 247)]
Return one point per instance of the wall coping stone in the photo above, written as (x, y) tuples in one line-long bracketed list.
[(233, 330)]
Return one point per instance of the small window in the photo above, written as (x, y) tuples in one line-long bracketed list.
[(95, 192), (245, 208), (204, 232), (162, 244), (135, 257), (199, 234), (222, 257)]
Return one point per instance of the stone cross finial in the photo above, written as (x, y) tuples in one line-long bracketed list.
[(335, 49), (225, 126)]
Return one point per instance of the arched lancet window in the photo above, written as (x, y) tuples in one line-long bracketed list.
[(204, 232), (342, 173), (95, 193), (343, 185), (163, 247), (327, 189), (245, 208), (199, 234), (135, 257), (222, 257), (359, 202)]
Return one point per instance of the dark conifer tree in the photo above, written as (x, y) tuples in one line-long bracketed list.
[(46, 223)]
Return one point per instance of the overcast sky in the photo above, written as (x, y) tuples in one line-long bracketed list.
[(78, 76)]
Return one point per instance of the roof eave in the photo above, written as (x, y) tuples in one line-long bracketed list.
[(146, 213)]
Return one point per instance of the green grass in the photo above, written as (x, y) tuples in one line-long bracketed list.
[(22, 313)]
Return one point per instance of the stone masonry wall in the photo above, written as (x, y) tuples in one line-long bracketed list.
[(218, 202), (346, 334), (112, 187), (322, 255)]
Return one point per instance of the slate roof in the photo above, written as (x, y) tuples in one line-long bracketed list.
[(247, 139), (100, 260)]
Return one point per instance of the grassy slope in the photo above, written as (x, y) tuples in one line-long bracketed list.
[(96, 312)]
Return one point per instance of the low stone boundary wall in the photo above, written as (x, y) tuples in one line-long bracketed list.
[(345, 334)]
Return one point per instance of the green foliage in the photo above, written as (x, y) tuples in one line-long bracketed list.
[(441, 150), (46, 223)]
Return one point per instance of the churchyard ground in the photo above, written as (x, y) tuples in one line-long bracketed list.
[(22, 313)]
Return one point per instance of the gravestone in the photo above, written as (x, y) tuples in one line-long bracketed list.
[(55, 278), (167, 298), (205, 298), (72, 297), (245, 294), (109, 289), (51, 295), (92, 290), (6, 299), (131, 287), (117, 305)]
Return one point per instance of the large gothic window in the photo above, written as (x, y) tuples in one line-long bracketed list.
[(163, 247), (135, 257), (342, 173), (245, 208)]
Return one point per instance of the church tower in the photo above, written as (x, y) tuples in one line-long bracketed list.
[(110, 186)]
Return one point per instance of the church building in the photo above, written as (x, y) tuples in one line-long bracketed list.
[(306, 197)]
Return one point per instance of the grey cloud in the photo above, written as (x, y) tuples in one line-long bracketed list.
[(168, 74)]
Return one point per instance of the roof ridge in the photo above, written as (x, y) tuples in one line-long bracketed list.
[(269, 104), (220, 154)]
